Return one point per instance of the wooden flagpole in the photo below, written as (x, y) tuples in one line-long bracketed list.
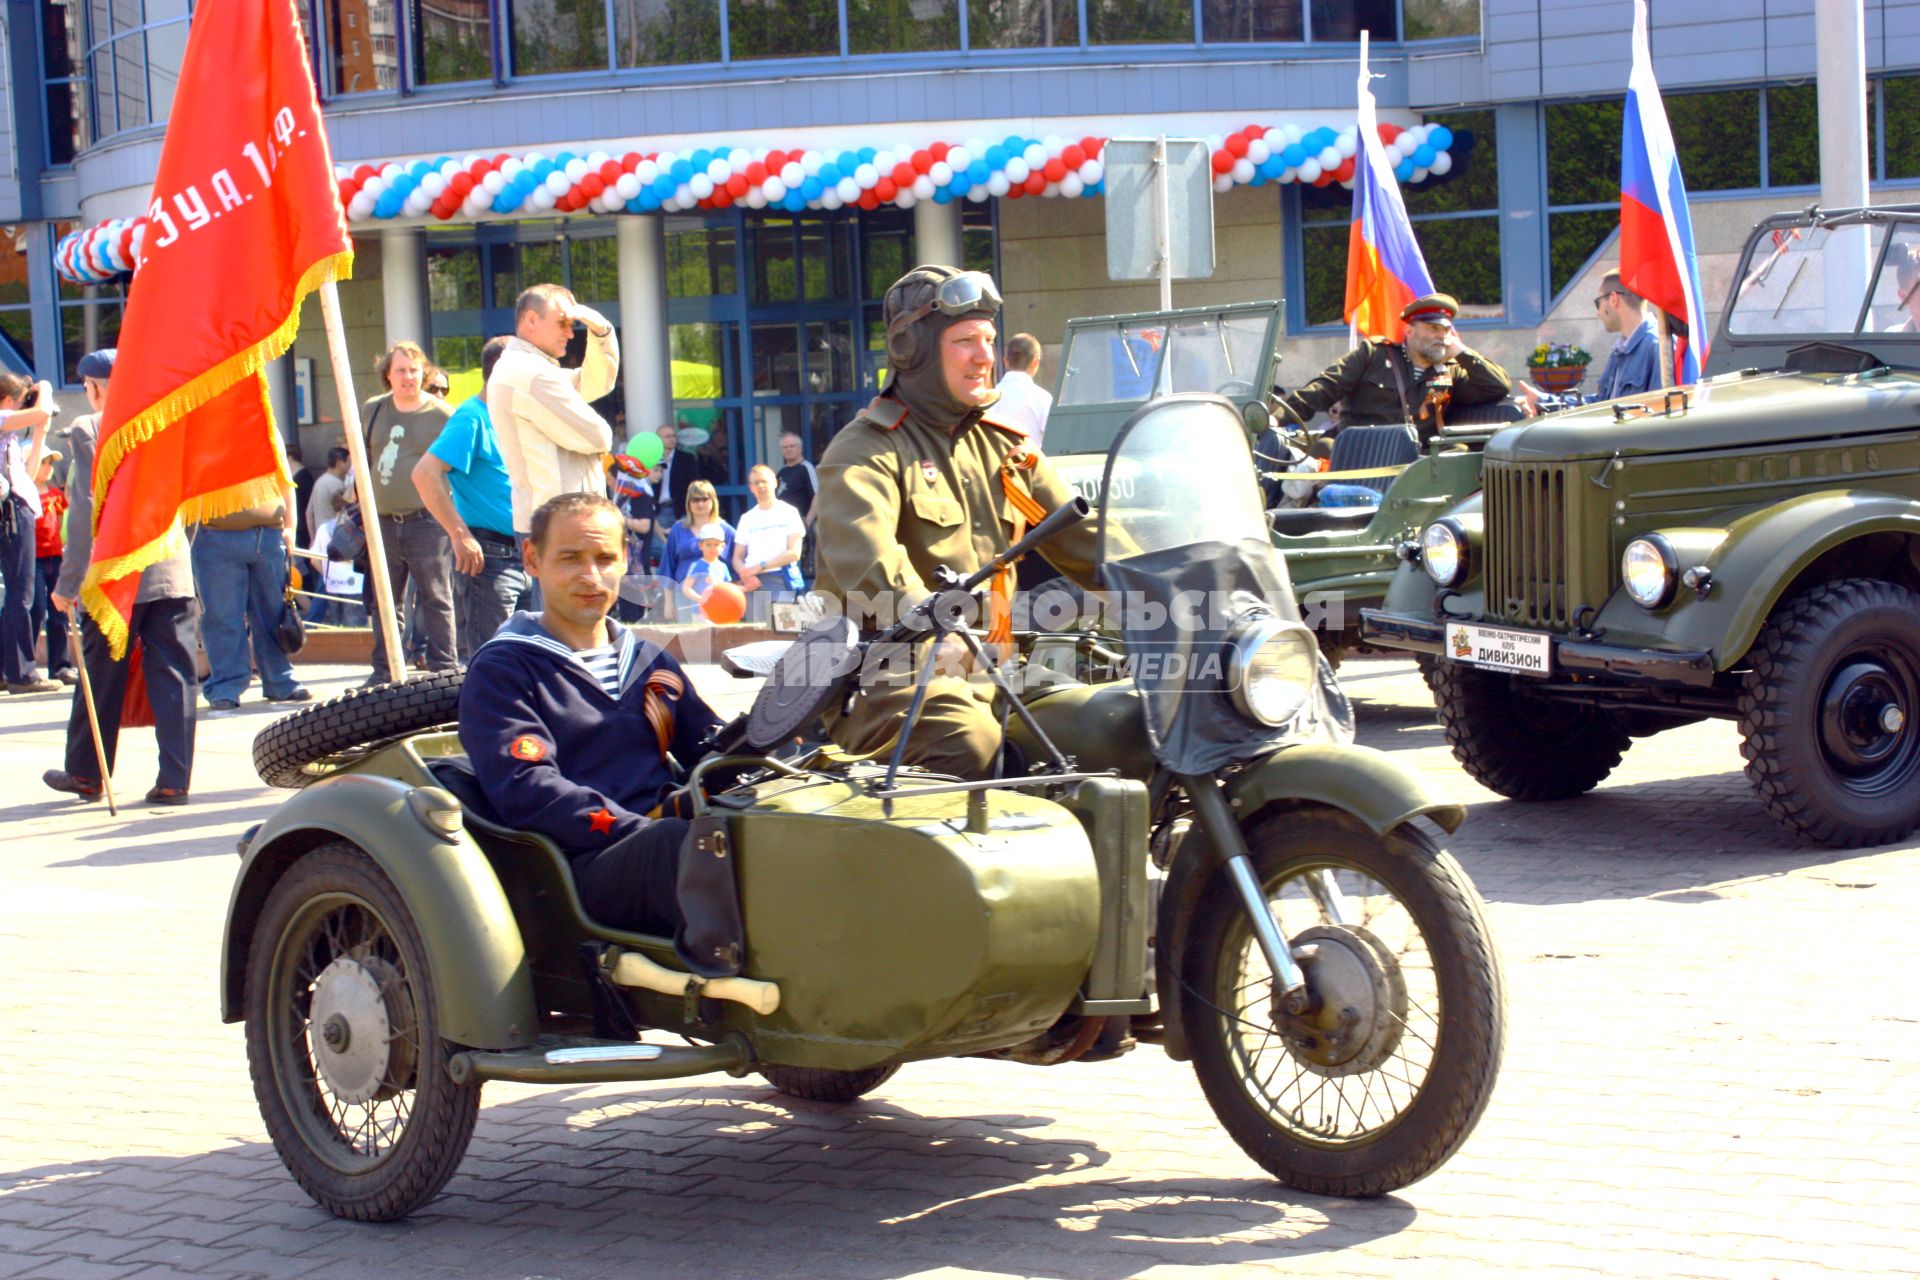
[(385, 617), (93, 716)]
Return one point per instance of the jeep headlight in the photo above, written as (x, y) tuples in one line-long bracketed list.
[(1443, 550), (1650, 571), (1272, 670)]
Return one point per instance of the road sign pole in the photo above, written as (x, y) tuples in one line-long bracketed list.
[(1163, 221)]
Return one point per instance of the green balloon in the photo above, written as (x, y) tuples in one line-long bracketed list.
[(645, 449)]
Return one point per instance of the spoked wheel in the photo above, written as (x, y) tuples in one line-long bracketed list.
[(343, 1042), (1383, 1075)]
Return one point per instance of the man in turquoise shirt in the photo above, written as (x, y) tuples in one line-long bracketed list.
[(477, 514)]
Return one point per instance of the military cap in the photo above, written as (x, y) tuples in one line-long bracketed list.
[(1433, 307)]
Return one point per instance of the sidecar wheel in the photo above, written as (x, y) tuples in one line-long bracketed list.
[(343, 1042), (1380, 1084), (315, 741), (821, 1084)]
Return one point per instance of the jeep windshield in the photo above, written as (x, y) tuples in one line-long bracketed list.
[(1850, 279)]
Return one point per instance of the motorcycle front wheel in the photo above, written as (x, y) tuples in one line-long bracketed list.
[(1382, 1078)]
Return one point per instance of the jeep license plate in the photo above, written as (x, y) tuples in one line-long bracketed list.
[(1525, 652)]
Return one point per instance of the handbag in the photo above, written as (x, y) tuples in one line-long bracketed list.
[(348, 541), (290, 633)]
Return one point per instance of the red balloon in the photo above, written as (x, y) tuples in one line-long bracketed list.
[(1345, 172), (885, 189), (724, 602), (1236, 147), (902, 174), (756, 173), (870, 199), (1074, 155), (737, 186), (364, 172), (501, 159), (610, 171), (722, 197), (460, 183), (480, 169), (922, 161), (592, 184), (939, 151), (1388, 132), (1325, 179), (1036, 184), (776, 161), (1223, 161), (630, 161), (1092, 146), (348, 190), (1017, 190), (1054, 169)]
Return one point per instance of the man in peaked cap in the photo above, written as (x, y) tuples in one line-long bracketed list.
[(1380, 381), (921, 480)]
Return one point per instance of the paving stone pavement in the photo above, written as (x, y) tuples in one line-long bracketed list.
[(1713, 1070)]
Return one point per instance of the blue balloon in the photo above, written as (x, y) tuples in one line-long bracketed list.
[(1440, 137), (943, 195), (1423, 156), (795, 201), (663, 187), (681, 171), (564, 159), (978, 172), (388, 205), (702, 158), (1098, 189), (829, 174), (439, 161), (866, 156), (1272, 167), (647, 200), (812, 187), (1403, 172), (996, 158), (1014, 143), (848, 162), (1293, 155), (634, 206)]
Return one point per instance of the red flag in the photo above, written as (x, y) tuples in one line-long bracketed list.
[(245, 222)]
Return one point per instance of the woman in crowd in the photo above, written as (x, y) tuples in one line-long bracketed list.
[(683, 541)]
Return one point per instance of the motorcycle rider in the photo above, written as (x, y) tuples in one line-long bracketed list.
[(925, 477)]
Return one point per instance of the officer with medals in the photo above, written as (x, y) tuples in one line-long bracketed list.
[(924, 478), (1412, 381)]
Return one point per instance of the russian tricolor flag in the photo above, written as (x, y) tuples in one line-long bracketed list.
[(1385, 270), (1657, 260)]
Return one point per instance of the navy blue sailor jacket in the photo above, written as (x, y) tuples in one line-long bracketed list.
[(555, 754)]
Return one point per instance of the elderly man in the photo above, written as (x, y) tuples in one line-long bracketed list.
[(923, 478), (1380, 381), (401, 426), (550, 437)]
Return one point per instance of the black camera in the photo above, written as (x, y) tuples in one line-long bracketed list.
[(31, 398)]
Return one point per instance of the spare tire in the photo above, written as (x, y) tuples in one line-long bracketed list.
[(318, 740)]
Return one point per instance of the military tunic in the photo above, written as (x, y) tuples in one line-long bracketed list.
[(899, 498), (1363, 379)]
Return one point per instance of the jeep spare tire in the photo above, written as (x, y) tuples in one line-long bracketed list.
[(1830, 713), (1523, 747), (315, 741)]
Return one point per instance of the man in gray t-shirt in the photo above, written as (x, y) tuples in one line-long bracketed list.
[(401, 426)]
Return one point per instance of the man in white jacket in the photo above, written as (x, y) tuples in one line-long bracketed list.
[(550, 437)]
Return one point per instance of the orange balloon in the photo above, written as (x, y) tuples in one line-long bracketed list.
[(724, 602)]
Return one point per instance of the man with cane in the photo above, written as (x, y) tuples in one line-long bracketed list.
[(163, 622)]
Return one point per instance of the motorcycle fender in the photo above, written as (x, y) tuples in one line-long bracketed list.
[(1763, 555), (475, 953), (1366, 783)]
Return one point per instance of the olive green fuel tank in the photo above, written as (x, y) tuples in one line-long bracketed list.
[(1101, 726), (913, 935)]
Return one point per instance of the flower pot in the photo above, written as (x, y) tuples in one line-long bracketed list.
[(1563, 378)]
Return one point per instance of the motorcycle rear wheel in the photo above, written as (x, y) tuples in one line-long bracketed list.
[(1387, 1097)]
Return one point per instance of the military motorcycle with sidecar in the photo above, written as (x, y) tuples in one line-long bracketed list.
[(1191, 854)]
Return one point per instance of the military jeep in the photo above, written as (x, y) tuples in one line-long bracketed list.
[(1339, 558), (1746, 548)]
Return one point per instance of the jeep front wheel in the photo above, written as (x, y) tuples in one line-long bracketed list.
[(1828, 715), (1522, 747)]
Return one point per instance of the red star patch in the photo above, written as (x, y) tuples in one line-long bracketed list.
[(528, 748), (601, 820)]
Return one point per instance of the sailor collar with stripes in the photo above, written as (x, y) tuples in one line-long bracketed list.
[(524, 628)]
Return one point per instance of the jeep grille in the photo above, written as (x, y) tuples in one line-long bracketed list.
[(1526, 531)]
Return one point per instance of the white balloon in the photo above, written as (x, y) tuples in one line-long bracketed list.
[(1419, 175), (922, 188), (1242, 171), (375, 186), (998, 184), (628, 185), (1347, 184), (1288, 174), (978, 192), (647, 171), (903, 198), (701, 186), (1294, 133), (1017, 170), (532, 159), (494, 180), (1053, 142), (1442, 164), (1051, 189), (1215, 141), (557, 183), (830, 198), (866, 175), (433, 184), (739, 158), (810, 162), (361, 206), (541, 198), (775, 190), (1092, 171), (1035, 156), (450, 168), (792, 174), (576, 169), (1406, 144), (1309, 170), (665, 160), (1347, 144), (976, 147), (1329, 158), (882, 163), (1257, 151), (1071, 186), (959, 159), (512, 168), (941, 173), (388, 172), (719, 170), (848, 190), (1223, 182), (755, 198), (597, 158), (684, 194)]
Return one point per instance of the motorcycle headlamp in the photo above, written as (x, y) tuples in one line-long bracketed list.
[(1272, 670), (1650, 571), (1443, 550)]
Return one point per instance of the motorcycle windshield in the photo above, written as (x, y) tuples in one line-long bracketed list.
[(1187, 560)]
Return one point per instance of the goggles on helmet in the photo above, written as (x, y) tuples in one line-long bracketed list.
[(955, 296)]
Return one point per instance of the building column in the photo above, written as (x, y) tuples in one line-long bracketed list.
[(403, 281), (1840, 59), (279, 375), (640, 242), (936, 234)]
